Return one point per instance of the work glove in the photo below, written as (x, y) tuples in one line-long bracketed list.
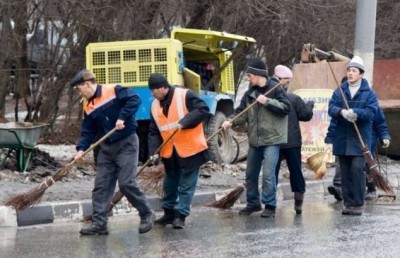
[(385, 143), (155, 159), (349, 115)]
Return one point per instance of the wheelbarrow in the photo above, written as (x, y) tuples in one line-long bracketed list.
[(20, 137)]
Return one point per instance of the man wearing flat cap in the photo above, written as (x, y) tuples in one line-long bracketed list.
[(108, 107), (177, 109), (267, 122)]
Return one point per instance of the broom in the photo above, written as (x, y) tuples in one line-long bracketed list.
[(152, 174), (317, 163), (377, 178), (231, 198), (153, 178), (33, 196)]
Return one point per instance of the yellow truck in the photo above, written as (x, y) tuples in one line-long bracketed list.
[(196, 59)]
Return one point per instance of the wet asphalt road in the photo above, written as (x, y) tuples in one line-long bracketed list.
[(321, 231)]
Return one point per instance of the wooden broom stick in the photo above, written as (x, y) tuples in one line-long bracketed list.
[(33, 196)]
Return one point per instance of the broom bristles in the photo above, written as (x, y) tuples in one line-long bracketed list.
[(229, 200), (321, 171), (152, 179), (315, 161), (380, 181), (33, 196), (27, 199)]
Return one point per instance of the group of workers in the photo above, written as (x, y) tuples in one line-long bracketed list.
[(273, 135)]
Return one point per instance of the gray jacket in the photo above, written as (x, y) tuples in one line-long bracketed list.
[(267, 124)]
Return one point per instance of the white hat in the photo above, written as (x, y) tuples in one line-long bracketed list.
[(357, 62)]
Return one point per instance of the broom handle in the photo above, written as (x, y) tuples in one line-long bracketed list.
[(347, 107), (244, 111), (94, 145), (157, 151)]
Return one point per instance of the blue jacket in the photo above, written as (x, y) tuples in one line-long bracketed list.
[(364, 104), (123, 105), (380, 129)]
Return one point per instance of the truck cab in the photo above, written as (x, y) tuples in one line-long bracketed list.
[(200, 60)]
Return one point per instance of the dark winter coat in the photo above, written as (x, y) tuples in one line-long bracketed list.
[(267, 124), (198, 111), (380, 129), (299, 111), (364, 104), (103, 118)]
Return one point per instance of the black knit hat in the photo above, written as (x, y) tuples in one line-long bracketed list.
[(81, 76), (257, 67), (157, 80)]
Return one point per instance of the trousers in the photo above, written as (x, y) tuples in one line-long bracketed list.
[(117, 161)]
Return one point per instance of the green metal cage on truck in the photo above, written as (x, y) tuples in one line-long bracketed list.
[(196, 59)]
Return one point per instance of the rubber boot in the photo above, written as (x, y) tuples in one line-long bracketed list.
[(167, 218), (298, 202)]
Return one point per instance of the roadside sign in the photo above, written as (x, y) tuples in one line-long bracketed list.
[(313, 132)]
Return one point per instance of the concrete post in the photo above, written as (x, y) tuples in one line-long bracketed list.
[(364, 42)]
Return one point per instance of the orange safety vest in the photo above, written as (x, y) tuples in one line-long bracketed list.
[(187, 142), (107, 95)]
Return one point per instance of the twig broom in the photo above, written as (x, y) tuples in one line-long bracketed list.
[(231, 198), (377, 178), (33, 196), (317, 163)]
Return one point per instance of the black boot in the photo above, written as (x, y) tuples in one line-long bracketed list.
[(179, 221), (298, 202), (269, 212), (94, 230), (146, 222), (167, 218)]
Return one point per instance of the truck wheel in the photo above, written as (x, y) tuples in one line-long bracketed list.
[(220, 146)]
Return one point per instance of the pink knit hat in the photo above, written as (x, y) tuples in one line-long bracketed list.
[(283, 72)]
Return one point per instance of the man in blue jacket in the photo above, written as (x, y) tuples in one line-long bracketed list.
[(380, 131), (363, 104), (107, 107)]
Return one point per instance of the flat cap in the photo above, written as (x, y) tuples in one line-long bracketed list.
[(81, 76)]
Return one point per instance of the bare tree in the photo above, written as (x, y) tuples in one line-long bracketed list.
[(65, 28), (5, 54)]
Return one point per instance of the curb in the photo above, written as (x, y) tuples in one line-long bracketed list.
[(57, 212)]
